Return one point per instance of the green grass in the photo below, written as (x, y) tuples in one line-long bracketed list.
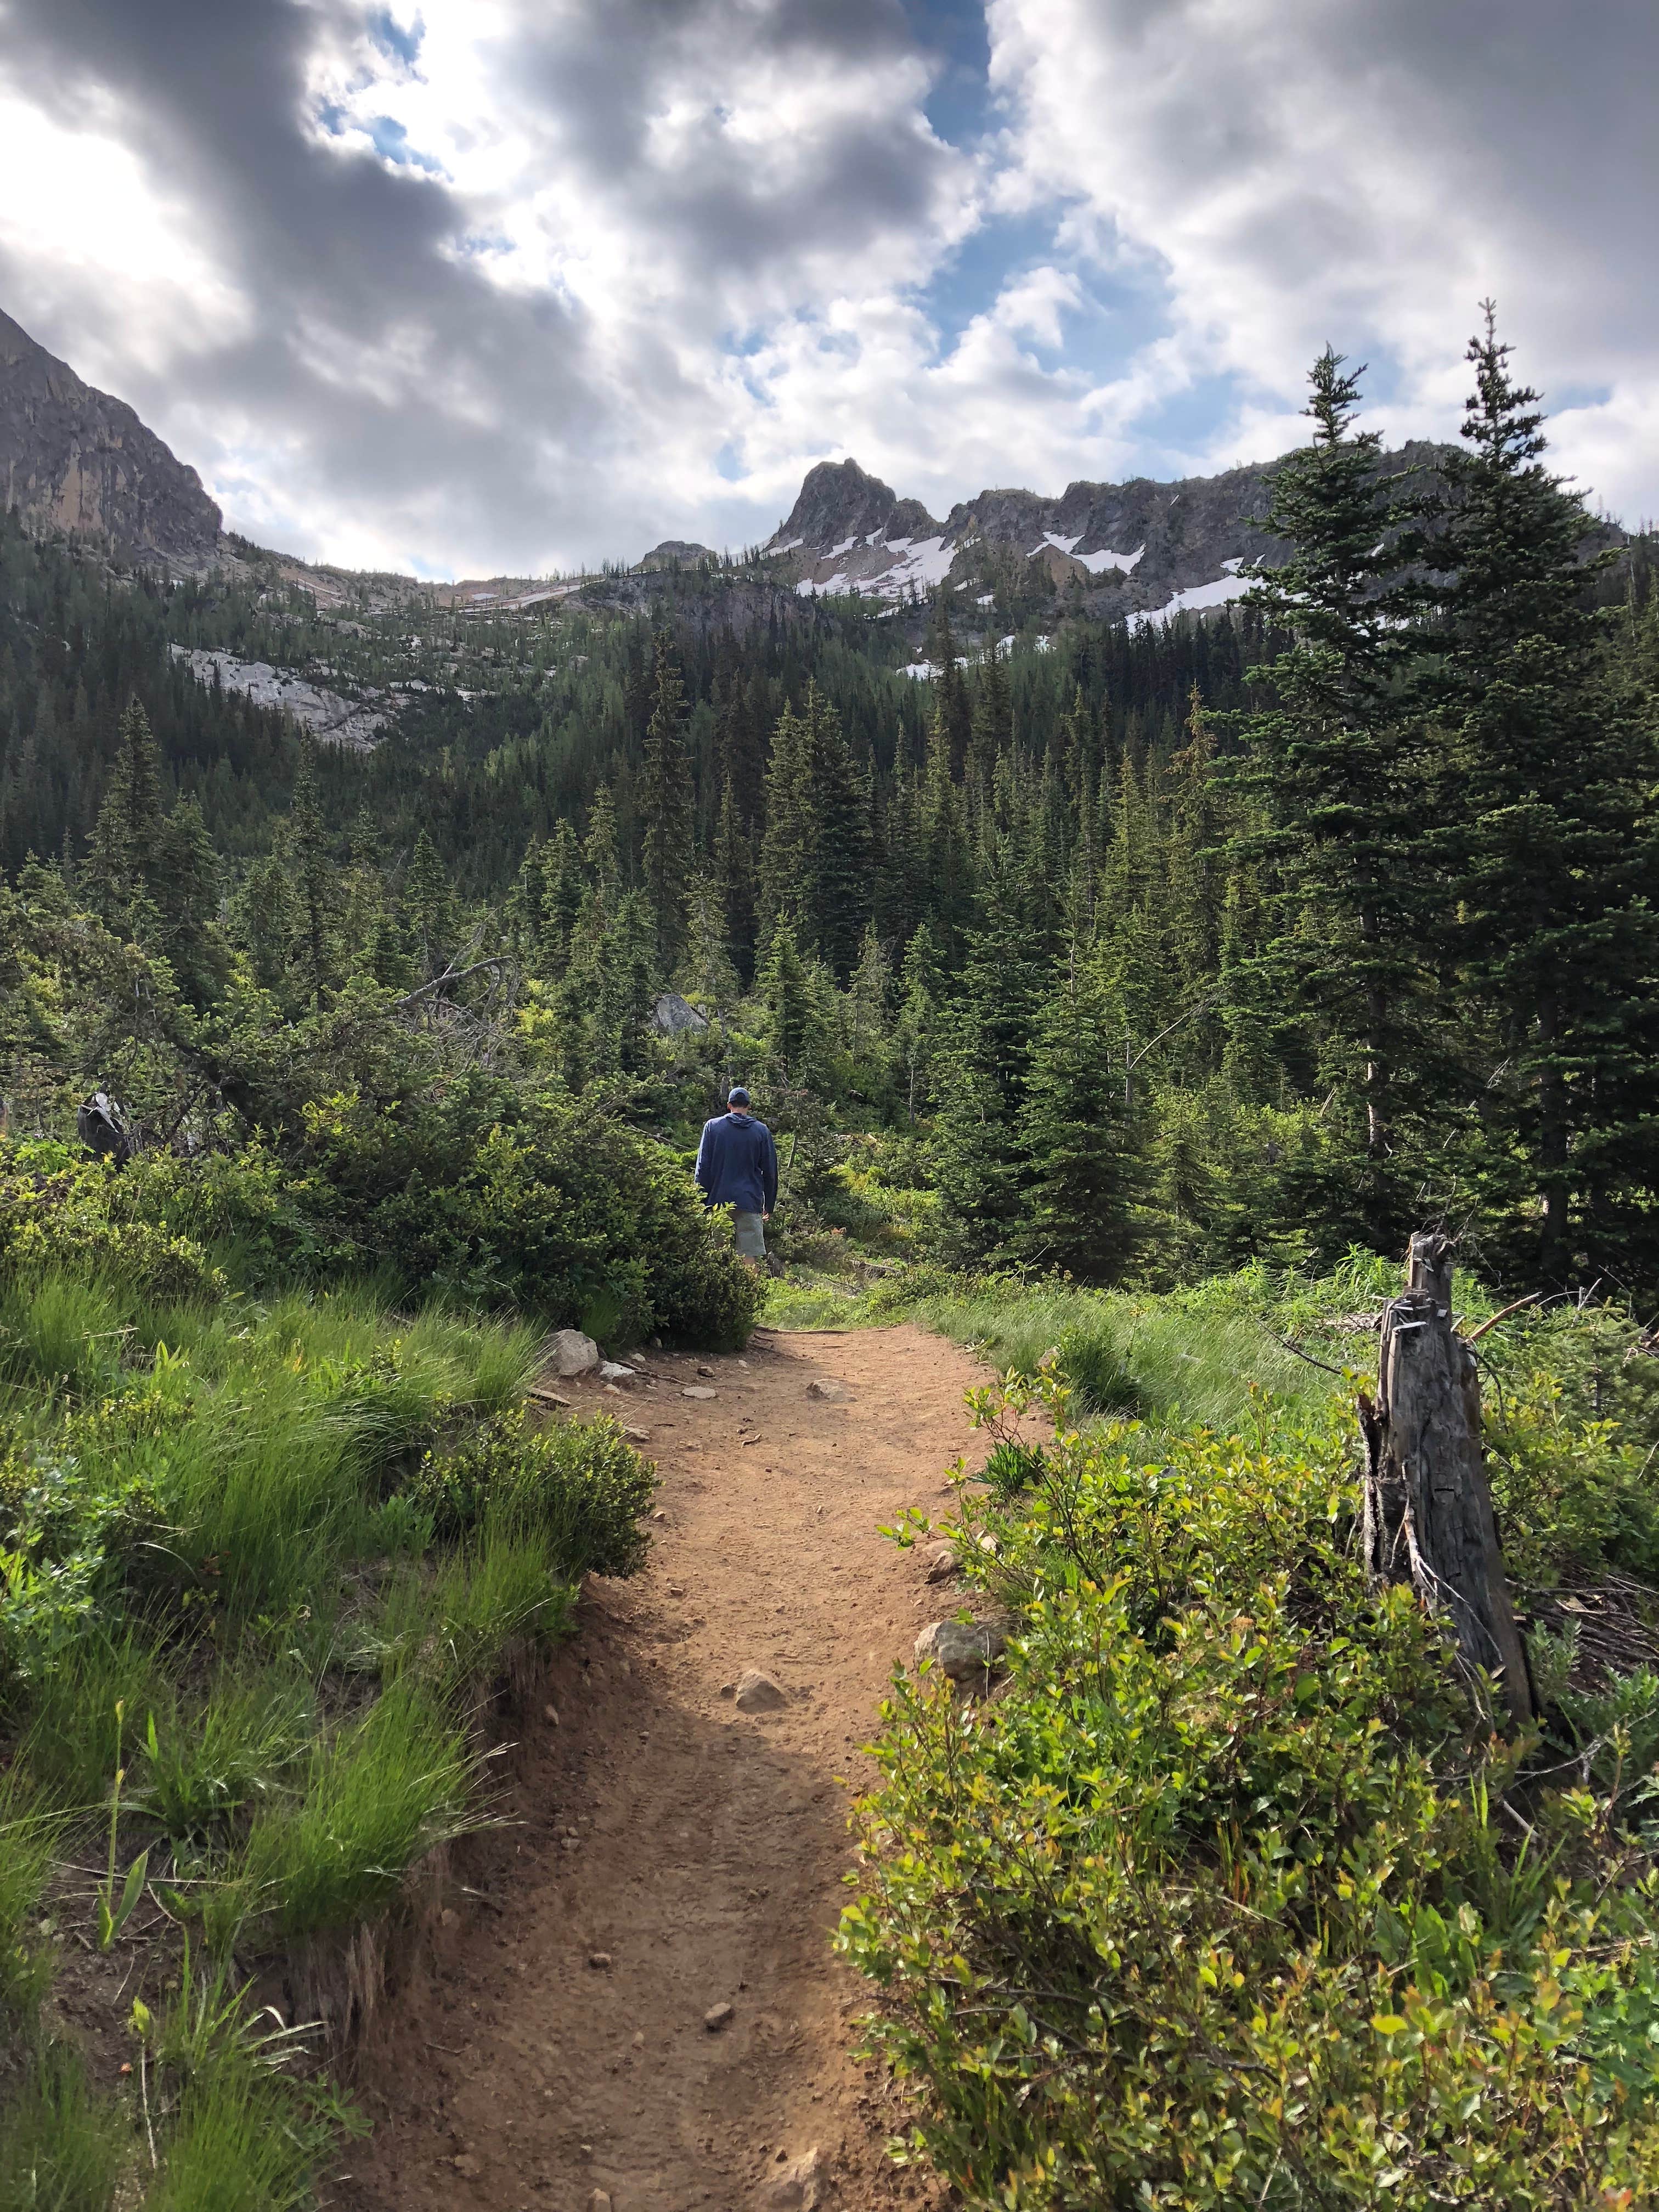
[(62, 2149), (28, 1843), (59, 1333), (74, 1740), (380, 1792), (200, 1763)]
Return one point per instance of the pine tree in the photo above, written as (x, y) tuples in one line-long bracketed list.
[(562, 897), (311, 871), (1077, 1208), (734, 881), (952, 706), (789, 1004), (789, 847), (1549, 765), (838, 892), (665, 810), (1331, 761), (126, 845), (429, 903)]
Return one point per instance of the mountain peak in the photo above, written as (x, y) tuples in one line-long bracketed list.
[(75, 459), (840, 503)]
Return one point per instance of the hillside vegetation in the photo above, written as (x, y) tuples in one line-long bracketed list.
[(1118, 998)]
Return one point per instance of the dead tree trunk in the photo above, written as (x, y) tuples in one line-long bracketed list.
[(1428, 1510)]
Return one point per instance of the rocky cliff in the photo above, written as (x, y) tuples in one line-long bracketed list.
[(1138, 549), (75, 459)]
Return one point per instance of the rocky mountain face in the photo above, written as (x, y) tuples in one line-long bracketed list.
[(74, 459), (1138, 549)]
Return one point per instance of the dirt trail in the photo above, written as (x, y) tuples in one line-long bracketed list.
[(698, 1849)]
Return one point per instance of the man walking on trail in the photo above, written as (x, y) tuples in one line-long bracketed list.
[(738, 1166)]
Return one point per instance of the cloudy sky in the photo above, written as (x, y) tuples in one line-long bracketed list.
[(476, 285)]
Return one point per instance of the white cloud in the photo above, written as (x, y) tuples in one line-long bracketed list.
[(1361, 175), (554, 280)]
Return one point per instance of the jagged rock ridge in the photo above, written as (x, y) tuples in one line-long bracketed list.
[(1139, 548), (74, 458)]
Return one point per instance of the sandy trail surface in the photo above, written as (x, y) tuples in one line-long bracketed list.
[(672, 1854)]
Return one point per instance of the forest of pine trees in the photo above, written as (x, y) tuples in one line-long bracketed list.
[(1282, 930)]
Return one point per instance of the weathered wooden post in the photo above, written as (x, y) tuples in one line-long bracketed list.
[(1428, 1510)]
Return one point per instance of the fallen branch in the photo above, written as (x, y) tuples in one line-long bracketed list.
[(1475, 1335), (452, 976)]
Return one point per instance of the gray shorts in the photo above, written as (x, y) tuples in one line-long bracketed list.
[(751, 1234)]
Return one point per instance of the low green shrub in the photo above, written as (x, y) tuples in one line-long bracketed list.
[(579, 1486), (1227, 1901), (60, 1214)]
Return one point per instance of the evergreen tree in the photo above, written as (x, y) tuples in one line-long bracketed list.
[(126, 845), (789, 847), (665, 810), (838, 891), (1331, 763), (734, 880), (1550, 771), (429, 903), (789, 1004), (562, 897), (1077, 1208), (311, 871)]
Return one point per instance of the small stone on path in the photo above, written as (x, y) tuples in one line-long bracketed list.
[(612, 1370), (467, 2167), (697, 1390), (599, 2201), (830, 1389), (550, 1715), (796, 2190), (759, 1693), (716, 2017), (941, 1563), (600, 1960)]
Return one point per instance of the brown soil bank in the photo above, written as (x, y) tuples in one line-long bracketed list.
[(676, 1854)]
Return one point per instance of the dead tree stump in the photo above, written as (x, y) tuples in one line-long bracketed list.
[(1429, 1520)]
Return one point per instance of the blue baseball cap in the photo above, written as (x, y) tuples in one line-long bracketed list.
[(738, 1097)]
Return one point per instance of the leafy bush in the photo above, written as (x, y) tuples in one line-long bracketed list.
[(1220, 1904), (59, 1213), (576, 1485), (498, 1197)]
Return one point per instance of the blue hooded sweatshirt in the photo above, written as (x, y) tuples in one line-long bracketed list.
[(737, 1164)]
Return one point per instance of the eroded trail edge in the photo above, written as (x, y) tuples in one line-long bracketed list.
[(673, 1854)]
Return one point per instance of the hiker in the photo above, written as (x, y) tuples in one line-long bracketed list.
[(738, 1166)]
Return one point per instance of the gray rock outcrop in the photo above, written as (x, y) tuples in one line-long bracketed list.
[(73, 458)]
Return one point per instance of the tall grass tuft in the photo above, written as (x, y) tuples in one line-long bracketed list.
[(72, 1743), (201, 1764), (57, 1333), (61, 2147), (28, 1841), (380, 1793)]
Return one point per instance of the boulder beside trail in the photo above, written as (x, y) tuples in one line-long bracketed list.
[(942, 1562), (964, 1650), (569, 1352)]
